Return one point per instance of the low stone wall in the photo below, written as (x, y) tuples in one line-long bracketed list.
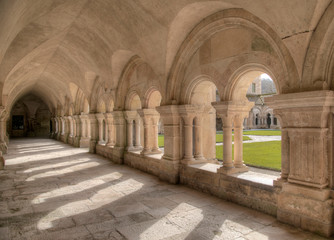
[(247, 193), (250, 194), (142, 162)]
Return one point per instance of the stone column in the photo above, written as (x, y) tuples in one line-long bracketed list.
[(188, 139), (93, 132), (198, 138), (188, 113), (155, 143), (130, 116), (227, 142), (304, 196), (84, 139), (228, 111), (100, 118), (3, 132), (120, 128), (150, 140), (66, 129), (137, 126), (238, 141), (77, 127), (170, 163), (60, 129), (110, 126)]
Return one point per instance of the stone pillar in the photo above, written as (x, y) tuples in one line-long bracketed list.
[(149, 117), (304, 199), (130, 116), (93, 132), (84, 139), (60, 129), (229, 111), (100, 118), (118, 151), (238, 141), (77, 127), (227, 142), (110, 127), (3, 132), (71, 130), (155, 143), (137, 126), (188, 139), (170, 161)]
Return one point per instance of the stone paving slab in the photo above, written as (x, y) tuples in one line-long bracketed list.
[(67, 193)]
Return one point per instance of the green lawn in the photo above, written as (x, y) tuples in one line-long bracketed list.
[(262, 154), (263, 132), (161, 140), (219, 138)]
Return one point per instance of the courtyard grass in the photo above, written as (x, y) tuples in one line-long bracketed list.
[(161, 140), (263, 132), (219, 139), (259, 154)]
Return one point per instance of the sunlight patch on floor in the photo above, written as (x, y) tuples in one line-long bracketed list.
[(72, 189)]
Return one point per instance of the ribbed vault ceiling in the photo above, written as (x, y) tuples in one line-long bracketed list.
[(46, 44)]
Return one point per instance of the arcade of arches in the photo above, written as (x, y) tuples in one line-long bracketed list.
[(104, 75)]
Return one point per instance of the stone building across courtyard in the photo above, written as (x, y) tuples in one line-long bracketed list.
[(102, 74)]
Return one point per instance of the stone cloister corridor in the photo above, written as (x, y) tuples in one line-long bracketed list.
[(120, 102), (51, 190)]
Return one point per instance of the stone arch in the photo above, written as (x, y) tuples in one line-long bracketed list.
[(101, 106), (318, 71), (97, 92), (133, 101), (124, 82), (185, 21), (152, 98), (221, 21), (81, 103), (240, 79), (200, 83), (109, 100)]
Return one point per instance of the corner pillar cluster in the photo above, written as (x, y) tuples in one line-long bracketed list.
[(305, 186)]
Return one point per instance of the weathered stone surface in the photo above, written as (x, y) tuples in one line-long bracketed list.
[(109, 201)]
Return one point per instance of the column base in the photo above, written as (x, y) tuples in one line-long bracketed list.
[(110, 144), (307, 208), (243, 166), (146, 152), (84, 142), (118, 155), (156, 151), (189, 161), (130, 149), (3, 147), (2, 162), (92, 146), (138, 148), (169, 170), (76, 141), (232, 170)]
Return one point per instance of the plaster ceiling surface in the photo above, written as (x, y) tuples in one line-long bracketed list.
[(46, 44)]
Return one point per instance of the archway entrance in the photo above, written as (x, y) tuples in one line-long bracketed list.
[(29, 117)]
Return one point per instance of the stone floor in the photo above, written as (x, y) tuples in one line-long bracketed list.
[(50, 190)]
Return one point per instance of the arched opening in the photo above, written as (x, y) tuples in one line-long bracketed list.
[(201, 119), (153, 141), (29, 117), (261, 145), (134, 124)]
